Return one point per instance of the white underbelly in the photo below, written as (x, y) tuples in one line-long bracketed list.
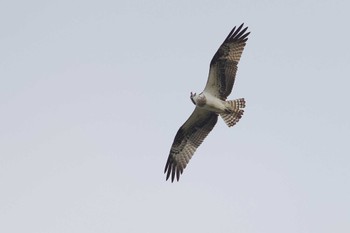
[(214, 104)]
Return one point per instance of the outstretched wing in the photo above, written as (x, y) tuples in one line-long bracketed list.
[(223, 66), (188, 138)]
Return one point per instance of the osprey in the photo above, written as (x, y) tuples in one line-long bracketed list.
[(210, 103)]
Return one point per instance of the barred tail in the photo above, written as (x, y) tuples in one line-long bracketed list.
[(234, 111)]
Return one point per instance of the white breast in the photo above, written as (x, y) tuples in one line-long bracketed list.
[(213, 104)]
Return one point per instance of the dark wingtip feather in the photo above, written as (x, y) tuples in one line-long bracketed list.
[(229, 35), (177, 174), (172, 171), (236, 31), (238, 34), (167, 169)]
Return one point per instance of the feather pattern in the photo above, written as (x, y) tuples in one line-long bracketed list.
[(188, 138), (223, 66)]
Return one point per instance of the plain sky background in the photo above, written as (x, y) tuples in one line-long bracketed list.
[(93, 92)]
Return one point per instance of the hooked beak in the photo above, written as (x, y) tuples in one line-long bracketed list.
[(192, 95)]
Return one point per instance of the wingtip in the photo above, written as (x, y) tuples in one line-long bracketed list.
[(240, 27), (238, 34), (172, 172)]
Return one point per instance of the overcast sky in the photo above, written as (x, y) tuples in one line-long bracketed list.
[(93, 92)]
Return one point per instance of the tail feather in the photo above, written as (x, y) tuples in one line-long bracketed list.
[(233, 112)]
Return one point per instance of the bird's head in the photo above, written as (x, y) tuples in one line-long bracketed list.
[(193, 95)]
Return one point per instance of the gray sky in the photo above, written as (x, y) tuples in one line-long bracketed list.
[(93, 92)]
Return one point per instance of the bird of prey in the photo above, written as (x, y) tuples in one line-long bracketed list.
[(210, 103)]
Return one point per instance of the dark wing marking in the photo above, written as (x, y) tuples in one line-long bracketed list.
[(223, 66), (188, 138)]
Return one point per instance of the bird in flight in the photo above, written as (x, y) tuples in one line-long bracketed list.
[(210, 103)]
